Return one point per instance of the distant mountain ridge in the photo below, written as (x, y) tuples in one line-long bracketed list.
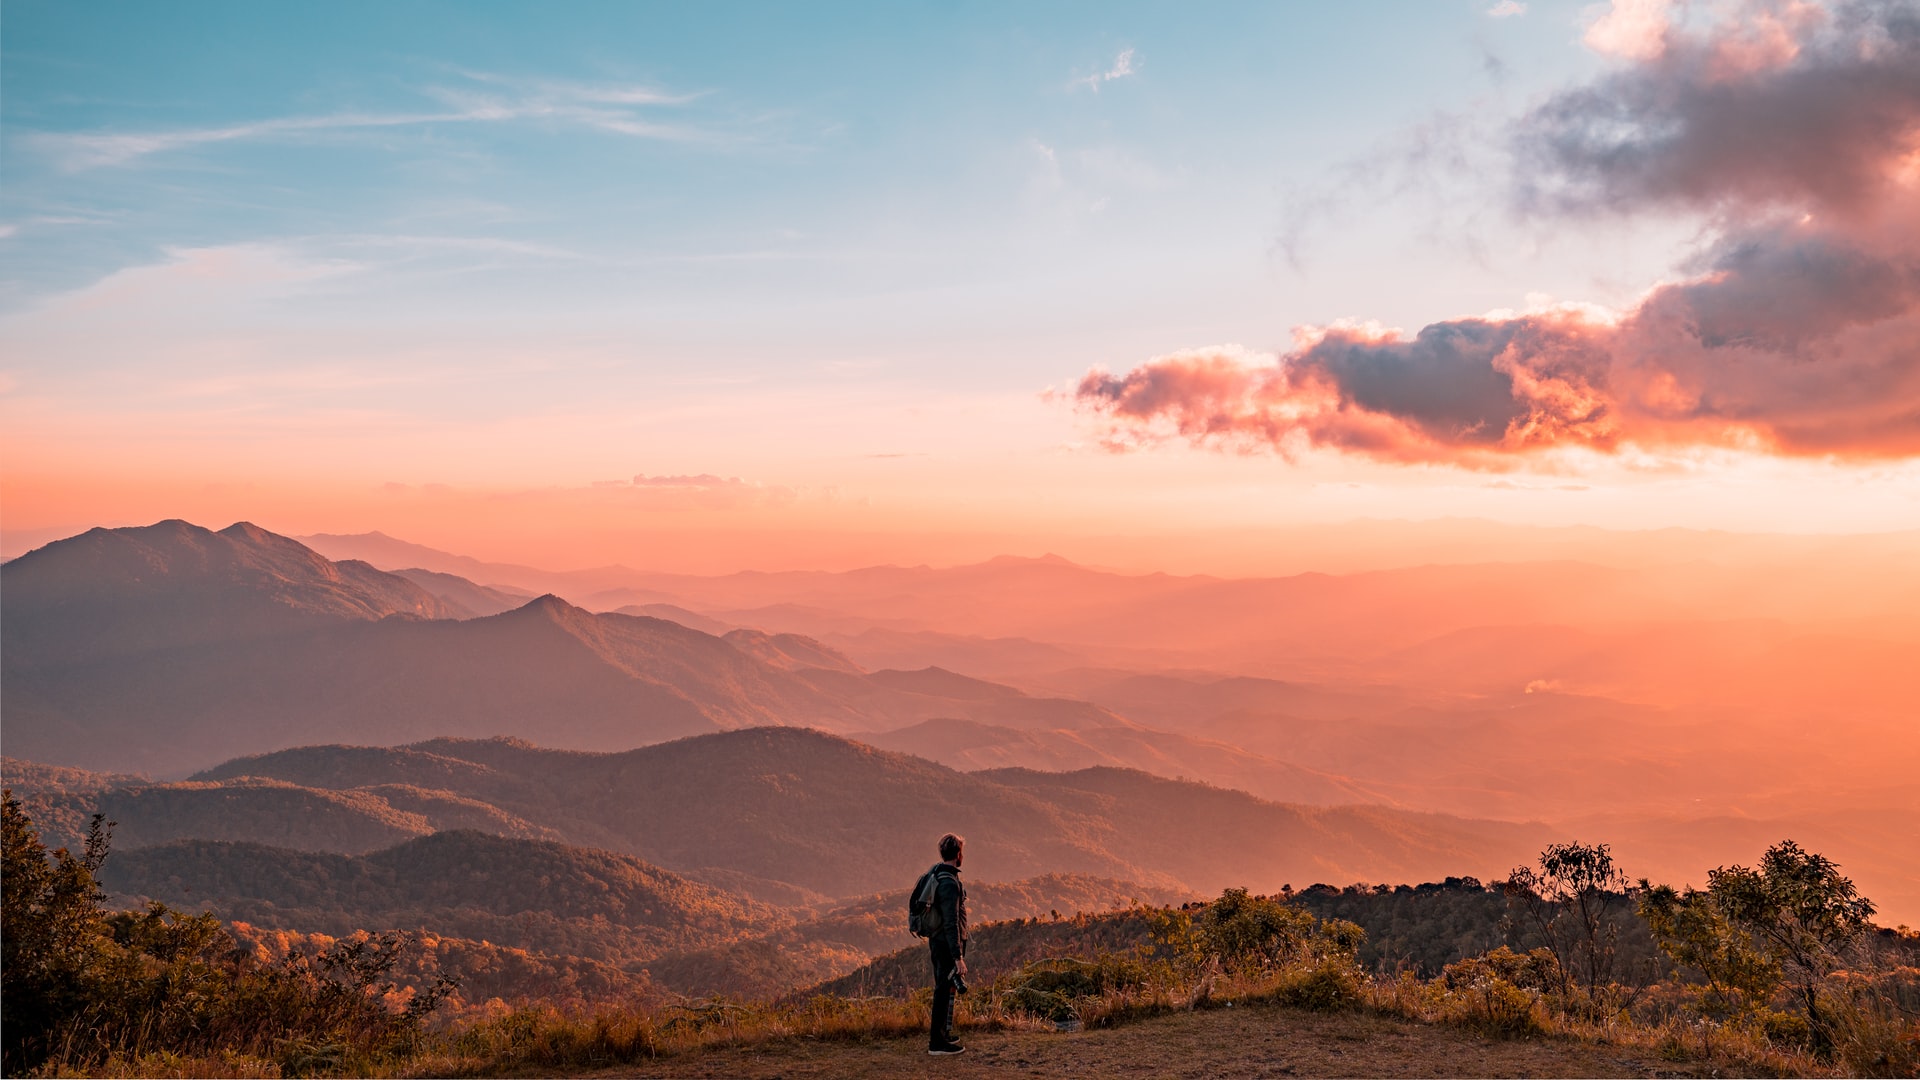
[(786, 812), (1712, 679), (574, 905), (117, 592), (164, 648), (639, 832), (838, 818), (463, 595)]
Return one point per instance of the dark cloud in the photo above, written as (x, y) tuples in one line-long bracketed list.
[(1782, 104), (1796, 125)]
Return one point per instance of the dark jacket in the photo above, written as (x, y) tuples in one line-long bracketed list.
[(951, 897)]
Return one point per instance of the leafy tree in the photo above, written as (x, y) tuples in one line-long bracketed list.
[(51, 934), (81, 987), (1572, 899), (1797, 910), (1695, 933)]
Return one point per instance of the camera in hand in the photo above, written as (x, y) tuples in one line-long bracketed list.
[(959, 983)]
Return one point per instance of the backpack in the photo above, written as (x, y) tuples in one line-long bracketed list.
[(923, 915)]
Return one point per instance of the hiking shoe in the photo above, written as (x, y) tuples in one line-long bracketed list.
[(945, 1048)]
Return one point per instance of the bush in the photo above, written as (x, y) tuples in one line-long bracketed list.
[(83, 988), (1785, 1029), (1059, 988), (1498, 994), (1326, 984), (1247, 932)]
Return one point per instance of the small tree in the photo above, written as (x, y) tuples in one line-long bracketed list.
[(1694, 933), (1798, 910), (82, 986), (52, 934), (1572, 901)]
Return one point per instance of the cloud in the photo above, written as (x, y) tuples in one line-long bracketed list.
[(1634, 29), (455, 245), (1122, 68), (1794, 127), (701, 491), (1784, 105), (1507, 9), (705, 481), (483, 99)]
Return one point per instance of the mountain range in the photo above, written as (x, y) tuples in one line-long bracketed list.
[(791, 814), (1669, 699), (169, 647), (707, 862)]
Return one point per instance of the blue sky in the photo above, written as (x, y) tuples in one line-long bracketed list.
[(902, 170), (483, 244)]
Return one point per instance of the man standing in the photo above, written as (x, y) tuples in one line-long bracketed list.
[(949, 944)]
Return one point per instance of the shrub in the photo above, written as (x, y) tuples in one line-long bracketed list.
[(1243, 931), (1060, 988), (1499, 993), (1326, 984), (1784, 1028), (83, 988)]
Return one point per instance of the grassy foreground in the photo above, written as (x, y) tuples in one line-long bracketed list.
[(1775, 972)]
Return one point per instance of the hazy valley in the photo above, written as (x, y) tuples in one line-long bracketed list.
[(1564, 696), (661, 785)]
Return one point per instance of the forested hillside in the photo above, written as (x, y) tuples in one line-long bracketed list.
[(839, 818), (529, 894)]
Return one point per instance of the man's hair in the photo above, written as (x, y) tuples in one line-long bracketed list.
[(950, 846)]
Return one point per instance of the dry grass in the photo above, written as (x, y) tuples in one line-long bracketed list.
[(1305, 1021), (1288, 1000)]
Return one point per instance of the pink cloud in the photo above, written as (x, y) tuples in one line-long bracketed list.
[(1796, 330)]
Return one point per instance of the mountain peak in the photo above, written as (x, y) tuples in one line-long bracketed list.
[(550, 604), (174, 583), (548, 609)]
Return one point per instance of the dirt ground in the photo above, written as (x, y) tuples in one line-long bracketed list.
[(1243, 1042)]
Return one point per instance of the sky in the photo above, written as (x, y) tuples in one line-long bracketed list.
[(707, 288)]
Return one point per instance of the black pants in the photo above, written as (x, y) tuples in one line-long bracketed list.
[(943, 958)]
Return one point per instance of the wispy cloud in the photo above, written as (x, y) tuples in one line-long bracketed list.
[(701, 491), (1507, 9), (1123, 67), (617, 109), (455, 245)]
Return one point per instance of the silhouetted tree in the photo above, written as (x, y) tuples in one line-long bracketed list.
[(1572, 899)]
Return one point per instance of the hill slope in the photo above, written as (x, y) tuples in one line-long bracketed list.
[(544, 897), (839, 818)]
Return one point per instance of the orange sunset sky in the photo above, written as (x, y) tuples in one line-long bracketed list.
[(1147, 291)]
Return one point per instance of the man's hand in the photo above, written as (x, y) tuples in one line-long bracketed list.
[(960, 965)]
